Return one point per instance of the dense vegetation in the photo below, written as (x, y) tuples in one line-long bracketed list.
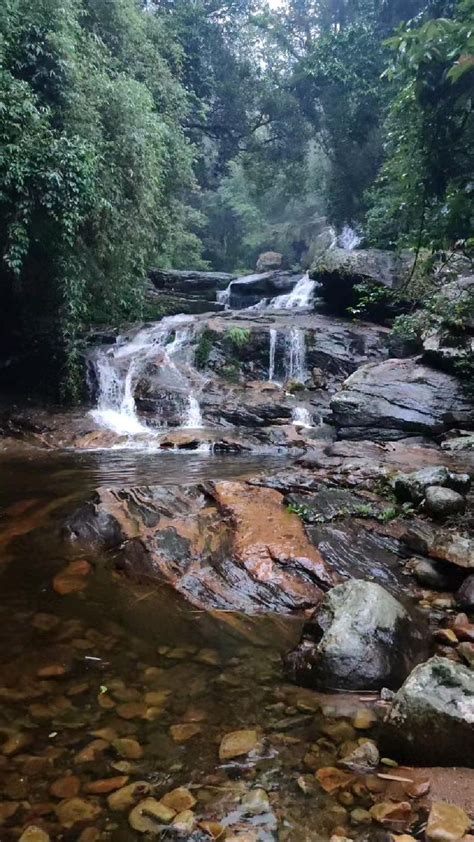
[(198, 133)]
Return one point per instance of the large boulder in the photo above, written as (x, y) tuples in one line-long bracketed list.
[(269, 260), (431, 720), (396, 398), (363, 639), (339, 271)]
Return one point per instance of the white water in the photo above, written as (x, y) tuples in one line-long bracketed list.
[(301, 417), (298, 299), (296, 355), (348, 239), (271, 359), (118, 370), (193, 417)]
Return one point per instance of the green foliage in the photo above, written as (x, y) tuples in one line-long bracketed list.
[(369, 298), (204, 348), (423, 196), (239, 336)]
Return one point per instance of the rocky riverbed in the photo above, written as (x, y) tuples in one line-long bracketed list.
[(201, 644)]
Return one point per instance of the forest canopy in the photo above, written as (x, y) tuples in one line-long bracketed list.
[(198, 133)]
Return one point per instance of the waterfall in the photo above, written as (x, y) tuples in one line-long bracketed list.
[(301, 417), (296, 355), (193, 417), (298, 299), (118, 370), (271, 359), (348, 238)]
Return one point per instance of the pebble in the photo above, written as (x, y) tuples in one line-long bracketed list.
[(183, 732), (126, 797), (466, 650), (15, 743), (91, 751), (364, 719), (360, 816), (157, 697), (7, 810), (148, 813), (34, 834), (66, 787), (184, 822), (238, 743), (214, 829), (45, 622), (332, 779), (73, 578), (75, 810), (106, 785), (391, 811), (446, 823), (132, 710), (208, 656), (364, 758), (179, 799), (256, 802), (128, 748)]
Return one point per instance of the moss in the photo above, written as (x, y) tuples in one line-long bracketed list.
[(239, 336), (204, 348)]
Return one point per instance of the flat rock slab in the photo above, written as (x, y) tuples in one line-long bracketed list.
[(395, 398)]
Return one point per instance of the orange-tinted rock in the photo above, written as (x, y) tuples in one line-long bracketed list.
[(73, 578), (106, 785), (66, 787), (75, 810), (391, 811), (238, 743), (179, 799), (91, 751), (16, 743), (7, 810), (332, 779), (128, 747), (183, 732), (132, 710)]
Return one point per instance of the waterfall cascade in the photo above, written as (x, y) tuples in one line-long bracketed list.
[(298, 299), (348, 239), (272, 352), (118, 370), (296, 355), (301, 417)]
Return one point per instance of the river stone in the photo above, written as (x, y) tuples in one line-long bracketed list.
[(269, 260), (434, 574), (465, 594), (34, 834), (411, 487), (443, 502), (446, 823), (431, 721), (149, 814), (440, 544), (395, 398), (363, 639)]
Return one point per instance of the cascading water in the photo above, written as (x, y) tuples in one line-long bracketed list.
[(296, 355), (272, 352), (298, 299), (301, 417), (348, 239), (119, 368)]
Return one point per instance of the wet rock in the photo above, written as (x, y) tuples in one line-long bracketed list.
[(363, 638), (66, 787), (15, 743), (75, 810), (106, 785), (332, 780), (465, 594), (365, 758), (182, 732), (179, 799), (7, 810), (432, 716), (184, 822), (340, 270), (238, 743), (411, 487), (34, 834), (149, 814), (396, 398), (446, 823), (438, 543), (255, 802), (73, 578), (466, 651), (126, 797), (443, 502), (386, 812), (434, 574), (128, 748)]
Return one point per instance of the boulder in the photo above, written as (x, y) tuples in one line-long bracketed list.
[(395, 398), (411, 487), (269, 260), (465, 594), (431, 720), (441, 544), (186, 281), (362, 639), (443, 502), (340, 270)]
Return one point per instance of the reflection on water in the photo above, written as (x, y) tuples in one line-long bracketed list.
[(95, 719)]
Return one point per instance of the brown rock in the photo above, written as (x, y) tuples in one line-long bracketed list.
[(73, 578), (148, 814), (7, 810), (66, 787), (185, 731), (75, 810), (15, 743), (332, 779), (391, 811), (34, 834), (126, 797), (128, 748), (446, 823), (106, 785), (91, 751), (132, 710), (184, 822), (237, 743), (179, 799)]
